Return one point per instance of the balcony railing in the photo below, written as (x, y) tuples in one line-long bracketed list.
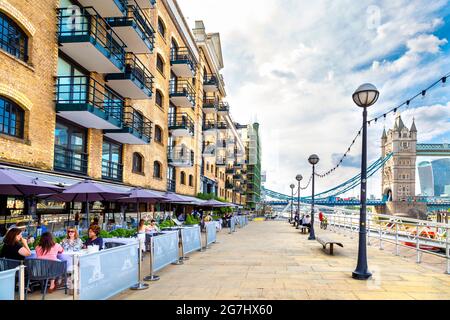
[(139, 124), (230, 170), (182, 93), (229, 185), (221, 161), (183, 63), (182, 122), (69, 160), (181, 156), (84, 94), (222, 126), (112, 170), (223, 107), (210, 105), (137, 20), (93, 41), (209, 125), (107, 8), (210, 83)]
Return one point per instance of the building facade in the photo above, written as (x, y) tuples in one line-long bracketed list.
[(426, 179), (116, 91)]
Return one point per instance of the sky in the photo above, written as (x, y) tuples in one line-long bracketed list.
[(293, 65)]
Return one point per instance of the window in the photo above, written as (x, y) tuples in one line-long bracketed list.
[(160, 64), (137, 163), (207, 166), (212, 168), (191, 180), (112, 160), (70, 148), (157, 170), (158, 134), (12, 39), (11, 118), (159, 99), (161, 28), (183, 177)]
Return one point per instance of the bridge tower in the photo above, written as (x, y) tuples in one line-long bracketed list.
[(398, 180)]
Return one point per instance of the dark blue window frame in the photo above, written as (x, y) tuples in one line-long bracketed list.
[(12, 39), (12, 118)]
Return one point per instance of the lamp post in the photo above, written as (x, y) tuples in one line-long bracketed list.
[(365, 96), (313, 160), (299, 178), (292, 201)]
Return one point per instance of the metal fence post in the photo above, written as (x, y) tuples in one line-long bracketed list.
[(139, 285), (396, 240), (447, 250), (152, 277), (21, 282), (76, 277), (417, 244), (201, 243)]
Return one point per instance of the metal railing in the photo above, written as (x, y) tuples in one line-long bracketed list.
[(136, 121), (230, 170), (223, 107), (221, 161), (75, 24), (181, 155), (210, 80), (420, 235), (138, 71), (209, 125), (222, 125), (70, 160), (182, 88), (182, 121), (210, 103), (112, 170), (75, 90), (183, 55), (136, 14)]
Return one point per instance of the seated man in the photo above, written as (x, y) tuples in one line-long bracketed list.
[(307, 222)]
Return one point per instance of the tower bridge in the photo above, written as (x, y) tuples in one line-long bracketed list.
[(399, 152)]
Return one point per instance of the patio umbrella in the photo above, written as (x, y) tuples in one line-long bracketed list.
[(15, 184), (88, 191), (141, 195)]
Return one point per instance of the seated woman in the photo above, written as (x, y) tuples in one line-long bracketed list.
[(15, 247), (48, 250), (153, 228), (307, 221), (94, 239), (72, 242)]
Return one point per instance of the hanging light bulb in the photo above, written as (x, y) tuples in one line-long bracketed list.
[(444, 81), (424, 92)]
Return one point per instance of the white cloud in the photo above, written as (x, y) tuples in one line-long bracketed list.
[(295, 64)]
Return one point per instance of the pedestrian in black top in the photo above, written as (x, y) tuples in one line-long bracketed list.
[(15, 247), (94, 239)]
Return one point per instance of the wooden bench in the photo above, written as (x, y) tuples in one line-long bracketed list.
[(303, 229), (324, 241)]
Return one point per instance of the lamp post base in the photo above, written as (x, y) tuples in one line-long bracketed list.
[(140, 286), (151, 278), (361, 275)]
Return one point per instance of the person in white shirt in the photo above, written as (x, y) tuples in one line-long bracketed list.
[(307, 222)]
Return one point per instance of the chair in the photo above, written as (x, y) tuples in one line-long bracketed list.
[(8, 264), (109, 245), (40, 270)]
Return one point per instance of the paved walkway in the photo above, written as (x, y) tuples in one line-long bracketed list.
[(272, 260)]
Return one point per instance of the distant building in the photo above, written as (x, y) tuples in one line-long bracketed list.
[(426, 179), (441, 175)]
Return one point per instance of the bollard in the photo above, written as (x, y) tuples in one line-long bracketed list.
[(417, 244), (140, 285), (21, 282), (396, 240), (76, 277), (151, 277)]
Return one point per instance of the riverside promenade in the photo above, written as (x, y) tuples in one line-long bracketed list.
[(272, 260)]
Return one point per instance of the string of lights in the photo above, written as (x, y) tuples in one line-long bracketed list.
[(304, 188), (422, 93)]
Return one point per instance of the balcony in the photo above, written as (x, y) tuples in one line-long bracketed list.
[(145, 4), (107, 8), (223, 109), (229, 186), (136, 82), (181, 125), (181, 93), (87, 38), (209, 150), (221, 144), (180, 156), (237, 177), (221, 162), (112, 170), (210, 106), (68, 160), (210, 83), (222, 126), (135, 29), (230, 171), (209, 125), (183, 63), (86, 102), (136, 130)]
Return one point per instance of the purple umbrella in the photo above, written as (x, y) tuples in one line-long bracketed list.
[(216, 204), (15, 184), (89, 191), (141, 195)]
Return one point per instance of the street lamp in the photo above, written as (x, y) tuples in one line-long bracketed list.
[(313, 160), (292, 200), (299, 178), (365, 96)]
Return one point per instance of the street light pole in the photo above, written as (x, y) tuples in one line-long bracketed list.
[(299, 178), (365, 96), (313, 160), (292, 201)]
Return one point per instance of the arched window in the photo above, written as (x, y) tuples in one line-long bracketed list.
[(11, 118), (138, 163), (158, 134), (159, 99), (183, 177), (161, 27), (160, 63), (212, 168), (12, 39), (191, 180), (207, 166), (157, 170)]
